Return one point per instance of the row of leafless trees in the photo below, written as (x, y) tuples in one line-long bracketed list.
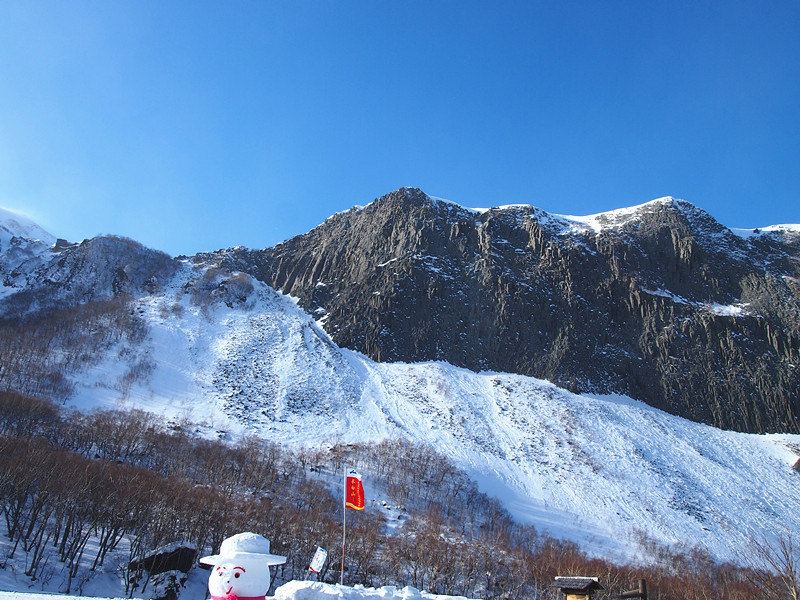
[(67, 478)]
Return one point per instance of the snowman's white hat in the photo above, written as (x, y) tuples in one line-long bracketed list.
[(244, 545)]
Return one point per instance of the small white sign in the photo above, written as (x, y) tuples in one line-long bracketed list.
[(320, 556)]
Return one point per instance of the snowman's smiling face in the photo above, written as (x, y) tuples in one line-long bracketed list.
[(240, 577)]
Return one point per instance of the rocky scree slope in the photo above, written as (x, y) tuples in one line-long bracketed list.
[(660, 301)]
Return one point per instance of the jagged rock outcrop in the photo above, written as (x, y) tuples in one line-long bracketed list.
[(659, 301), (66, 275)]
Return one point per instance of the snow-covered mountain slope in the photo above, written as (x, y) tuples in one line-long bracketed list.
[(13, 224), (226, 350), (601, 470), (23, 246), (67, 275)]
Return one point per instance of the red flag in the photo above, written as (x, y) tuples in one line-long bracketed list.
[(354, 491)]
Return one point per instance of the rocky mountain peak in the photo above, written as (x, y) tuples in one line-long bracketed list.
[(99, 268), (659, 301), (15, 225)]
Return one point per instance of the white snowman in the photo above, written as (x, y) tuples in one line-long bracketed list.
[(241, 569)]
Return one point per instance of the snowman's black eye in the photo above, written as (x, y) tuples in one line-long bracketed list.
[(220, 573), (236, 575)]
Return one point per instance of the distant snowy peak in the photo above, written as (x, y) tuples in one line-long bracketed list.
[(24, 246), (666, 211), (610, 215), (787, 231), (13, 225), (618, 218)]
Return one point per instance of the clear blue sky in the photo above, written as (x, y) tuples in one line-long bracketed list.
[(192, 126)]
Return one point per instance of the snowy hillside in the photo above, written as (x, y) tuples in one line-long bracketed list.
[(602, 470), (13, 224), (23, 245)]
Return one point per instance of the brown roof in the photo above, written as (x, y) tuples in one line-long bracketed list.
[(578, 584)]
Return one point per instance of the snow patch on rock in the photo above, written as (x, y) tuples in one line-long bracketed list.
[(613, 219), (723, 310)]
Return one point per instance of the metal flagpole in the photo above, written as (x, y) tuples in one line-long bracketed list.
[(344, 523)]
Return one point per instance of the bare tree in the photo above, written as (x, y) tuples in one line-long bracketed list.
[(775, 567)]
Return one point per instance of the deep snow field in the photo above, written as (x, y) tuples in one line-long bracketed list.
[(600, 470)]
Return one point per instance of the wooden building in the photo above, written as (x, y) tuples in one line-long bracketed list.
[(578, 588)]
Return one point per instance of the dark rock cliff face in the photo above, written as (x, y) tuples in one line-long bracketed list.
[(660, 302)]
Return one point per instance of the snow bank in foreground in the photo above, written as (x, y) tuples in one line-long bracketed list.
[(309, 590), (294, 590)]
